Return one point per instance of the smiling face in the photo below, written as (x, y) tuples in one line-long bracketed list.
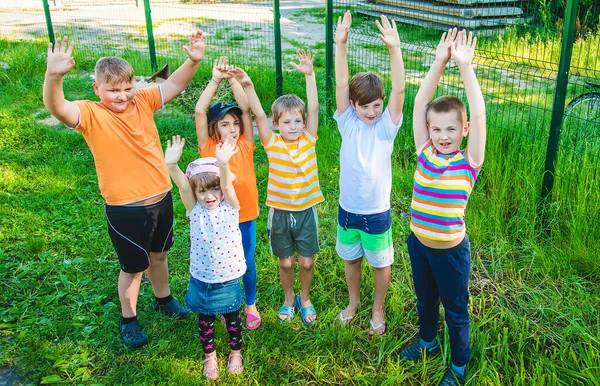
[(446, 130), (290, 125), (229, 125), (116, 96), (369, 113), (210, 198)]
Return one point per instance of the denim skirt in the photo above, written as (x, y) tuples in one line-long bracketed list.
[(214, 298)]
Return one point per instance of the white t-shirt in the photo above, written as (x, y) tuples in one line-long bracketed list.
[(216, 251), (366, 162)]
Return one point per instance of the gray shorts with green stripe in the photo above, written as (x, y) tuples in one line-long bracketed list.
[(365, 235)]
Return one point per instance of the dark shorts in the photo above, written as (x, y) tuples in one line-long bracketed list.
[(213, 298), (136, 231), (290, 231)]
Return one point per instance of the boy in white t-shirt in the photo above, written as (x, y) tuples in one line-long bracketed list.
[(368, 133)]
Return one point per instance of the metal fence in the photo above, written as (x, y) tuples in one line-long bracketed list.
[(523, 59)]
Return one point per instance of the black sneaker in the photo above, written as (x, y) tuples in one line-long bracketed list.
[(416, 351), (452, 378), (172, 308), (132, 335)]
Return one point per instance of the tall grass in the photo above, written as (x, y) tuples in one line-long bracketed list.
[(534, 298)]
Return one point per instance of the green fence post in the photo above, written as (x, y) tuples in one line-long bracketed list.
[(329, 56), (277, 37), (558, 105), (150, 35), (48, 21)]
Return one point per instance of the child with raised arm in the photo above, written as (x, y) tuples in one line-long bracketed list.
[(216, 253), (438, 245), (213, 125), (293, 189), (368, 132), (132, 174)]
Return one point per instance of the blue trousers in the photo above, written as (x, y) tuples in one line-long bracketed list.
[(248, 230), (443, 275)]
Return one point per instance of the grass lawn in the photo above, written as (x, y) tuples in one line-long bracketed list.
[(535, 296)]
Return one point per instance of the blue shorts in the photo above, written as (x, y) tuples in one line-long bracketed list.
[(214, 298)]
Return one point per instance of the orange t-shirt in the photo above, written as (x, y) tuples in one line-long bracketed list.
[(129, 159), (242, 165)]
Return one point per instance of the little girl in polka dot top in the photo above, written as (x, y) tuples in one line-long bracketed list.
[(216, 252)]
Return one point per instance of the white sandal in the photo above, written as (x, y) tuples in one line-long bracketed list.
[(211, 373), (234, 369)]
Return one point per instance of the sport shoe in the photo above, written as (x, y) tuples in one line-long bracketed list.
[(415, 351), (452, 378), (172, 308), (132, 334)]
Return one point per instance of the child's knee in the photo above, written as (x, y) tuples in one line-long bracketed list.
[(158, 257), (286, 264), (306, 263)]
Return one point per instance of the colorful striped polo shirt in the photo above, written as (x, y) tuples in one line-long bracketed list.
[(442, 186), (293, 173)]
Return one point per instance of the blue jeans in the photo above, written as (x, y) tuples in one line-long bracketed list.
[(248, 230), (443, 274)]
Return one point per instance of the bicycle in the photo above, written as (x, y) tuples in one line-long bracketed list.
[(581, 122)]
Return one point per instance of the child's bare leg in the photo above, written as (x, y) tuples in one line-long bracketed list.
[(129, 289), (353, 270), (286, 275), (158, 273), (307, 273), (381, 282)]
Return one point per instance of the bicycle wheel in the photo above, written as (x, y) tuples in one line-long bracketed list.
[(581, 124)]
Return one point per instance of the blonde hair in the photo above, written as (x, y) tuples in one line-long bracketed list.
[(366, 87), (285, 103), (113, 70), (445, 104)]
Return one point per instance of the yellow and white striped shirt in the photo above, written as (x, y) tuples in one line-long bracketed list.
[(293, 173)]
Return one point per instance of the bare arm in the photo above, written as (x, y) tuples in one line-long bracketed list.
[(242, 101), (428, 87), (389, 35), (342, 88), (218, 73), (60, 62), (463, 52), (182, 77), (224, 153), (172, 155), (264, 130), (306, 67)]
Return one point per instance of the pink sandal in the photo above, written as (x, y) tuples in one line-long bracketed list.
[(210, 373), (234, 369), (252, 316)]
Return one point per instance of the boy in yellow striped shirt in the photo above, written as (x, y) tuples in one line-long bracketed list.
[(293, 189)]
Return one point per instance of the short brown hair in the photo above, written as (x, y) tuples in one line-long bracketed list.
[(113, 70), (445, 104), (289, 102), (366, 87), (212, 125), (204, 181)]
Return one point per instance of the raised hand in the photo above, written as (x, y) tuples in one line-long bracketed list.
[(226, 150), (389, 33), (241, 76), (343, 28), (197, 46), (174, 150), (221, 68), (306, 60), (443, 49), (463, 49), (60, 59)]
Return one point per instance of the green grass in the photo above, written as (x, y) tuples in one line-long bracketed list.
[(534, 296)]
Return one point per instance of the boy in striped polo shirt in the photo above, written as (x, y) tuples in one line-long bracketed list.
[(438, 245), (293, 189)]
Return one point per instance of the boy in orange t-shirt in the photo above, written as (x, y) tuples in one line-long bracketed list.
[(132, 174)]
